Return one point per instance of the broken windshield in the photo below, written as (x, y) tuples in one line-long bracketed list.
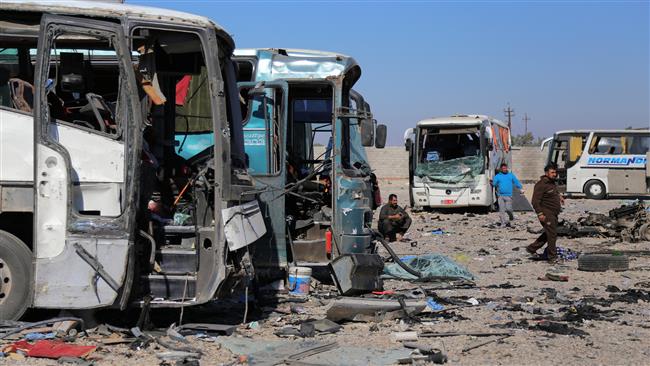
[(449, 155)]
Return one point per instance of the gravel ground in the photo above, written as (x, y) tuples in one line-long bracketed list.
[(496, 257)]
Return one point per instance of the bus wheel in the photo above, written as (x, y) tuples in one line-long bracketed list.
[(595, 190), (15, 276)]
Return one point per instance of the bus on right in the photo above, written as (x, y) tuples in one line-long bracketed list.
[(601, 163)]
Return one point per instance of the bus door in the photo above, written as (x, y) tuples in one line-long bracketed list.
[(81, 255), (265, 127)]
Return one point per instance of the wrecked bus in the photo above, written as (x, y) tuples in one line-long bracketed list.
[(599, 163), (452, 160), (305, 130), (97, 207)]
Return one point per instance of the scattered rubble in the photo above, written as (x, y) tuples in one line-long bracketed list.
[(629, 223), (457, 320)]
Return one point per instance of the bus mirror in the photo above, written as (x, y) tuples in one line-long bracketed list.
[(380, 138), (407, 144), (367, 132)]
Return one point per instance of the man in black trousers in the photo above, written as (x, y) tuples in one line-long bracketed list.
[(547, 203)]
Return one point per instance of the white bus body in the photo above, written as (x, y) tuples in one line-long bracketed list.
[(600, 163), (97, 206), (453, 159)]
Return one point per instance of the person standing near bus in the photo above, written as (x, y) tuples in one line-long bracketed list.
[(504, 183), (547, 203)]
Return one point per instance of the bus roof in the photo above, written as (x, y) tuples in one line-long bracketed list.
[(100, 9), (287, 63), (460, 120), (571, 132)]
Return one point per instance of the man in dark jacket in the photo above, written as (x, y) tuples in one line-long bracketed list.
[(547, 203), (393, 220)]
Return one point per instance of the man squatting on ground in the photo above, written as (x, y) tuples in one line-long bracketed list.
[(393, 220), (504, 182), (547, 203)]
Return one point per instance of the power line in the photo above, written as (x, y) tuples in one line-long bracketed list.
[(509, 114), (526, 119)]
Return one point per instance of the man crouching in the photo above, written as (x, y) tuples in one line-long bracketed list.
[(393, 220)]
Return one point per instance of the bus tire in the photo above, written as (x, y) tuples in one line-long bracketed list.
[(15, 277), (595, 190), (603, 262)]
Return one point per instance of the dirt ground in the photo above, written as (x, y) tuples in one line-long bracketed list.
[(510, 296)]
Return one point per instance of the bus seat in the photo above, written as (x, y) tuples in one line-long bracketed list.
[(22, 94)]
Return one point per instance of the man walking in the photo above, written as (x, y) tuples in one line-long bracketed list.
[(393, 220), (504, 182), (547, 202)]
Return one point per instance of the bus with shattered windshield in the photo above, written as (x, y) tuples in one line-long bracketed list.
[(318, 202), (122, 170), (601, 163), (452, 160)]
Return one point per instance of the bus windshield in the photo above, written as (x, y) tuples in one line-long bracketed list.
[(449, 155)]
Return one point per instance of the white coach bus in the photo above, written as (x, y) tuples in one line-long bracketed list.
[(453, 159), (600, 163)]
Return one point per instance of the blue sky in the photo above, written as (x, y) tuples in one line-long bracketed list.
[(568, 65)]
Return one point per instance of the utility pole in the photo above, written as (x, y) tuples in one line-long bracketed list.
[(509, 114), (526, 119)]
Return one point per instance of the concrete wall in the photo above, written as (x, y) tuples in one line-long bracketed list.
[(391, 162), (528, 162)]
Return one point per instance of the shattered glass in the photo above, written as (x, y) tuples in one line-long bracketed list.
[(458, 170)]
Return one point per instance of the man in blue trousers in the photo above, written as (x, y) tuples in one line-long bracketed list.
[(504, 182)]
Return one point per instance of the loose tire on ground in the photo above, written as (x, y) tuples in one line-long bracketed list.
[(15, 277), (603, 262), (595, 190)]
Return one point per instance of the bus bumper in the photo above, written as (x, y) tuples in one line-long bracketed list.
[(451, 197)]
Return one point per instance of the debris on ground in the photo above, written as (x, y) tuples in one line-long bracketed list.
[(460, 318), (433, 267), (54, 349), (631, 296), (582, 312), (559, 328), (554, 276), (630, 223), (423, 353), (360, 309)]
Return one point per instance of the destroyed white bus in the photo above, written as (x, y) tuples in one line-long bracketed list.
[(452, 160), (97, 206), (601, 163)]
